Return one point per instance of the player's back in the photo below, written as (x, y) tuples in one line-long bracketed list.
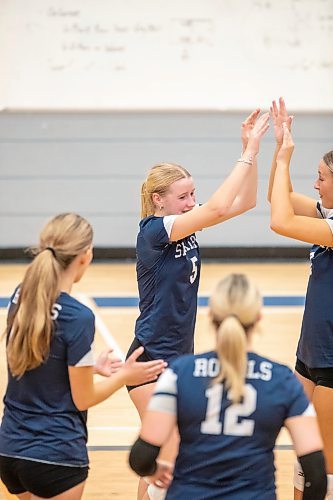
[(226, 449), (40, 403)]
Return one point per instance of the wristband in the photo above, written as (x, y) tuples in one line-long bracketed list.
[(248, 160)]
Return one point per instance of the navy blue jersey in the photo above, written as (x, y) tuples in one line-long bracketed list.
[(226, 450), (168, 278), (315, 347), (40, 420)]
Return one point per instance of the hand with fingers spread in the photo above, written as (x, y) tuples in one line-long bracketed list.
[(247, 126), (106, 365), (136, 372), (287, 146), (279, 116), (256, 133)]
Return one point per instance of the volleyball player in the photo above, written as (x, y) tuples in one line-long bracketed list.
[(168, 258), (49, 336), (229, 406), (306, 219)]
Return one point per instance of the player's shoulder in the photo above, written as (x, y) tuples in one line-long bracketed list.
[(151, 227), (277, 367), (156, 222), (147, 222), (73, 309)]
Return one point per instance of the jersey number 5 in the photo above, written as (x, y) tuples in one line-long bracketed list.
[(233, 425), (194, 272)]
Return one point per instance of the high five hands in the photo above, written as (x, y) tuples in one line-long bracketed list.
[(282, 122), (255, 126), (252, 130), (279, 116)]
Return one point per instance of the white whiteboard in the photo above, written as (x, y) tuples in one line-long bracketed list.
[(165, 54)]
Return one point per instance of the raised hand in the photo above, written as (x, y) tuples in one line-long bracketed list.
[(256, 133), (247, 126), (279, 116), (287, 146), (137, 372)]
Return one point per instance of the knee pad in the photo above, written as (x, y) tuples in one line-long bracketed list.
[(156, 493), (298, 476)]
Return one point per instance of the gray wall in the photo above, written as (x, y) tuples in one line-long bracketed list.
[(94, 163)]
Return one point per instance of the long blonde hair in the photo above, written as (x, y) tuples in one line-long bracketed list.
[(235, 309), (158, 180), (29, 327)]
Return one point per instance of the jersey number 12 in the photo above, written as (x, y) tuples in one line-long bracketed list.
[(233, 425)]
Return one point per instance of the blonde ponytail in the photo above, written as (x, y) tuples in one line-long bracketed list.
[(231, 351), (235, 308), (29, 328), (147, 205)]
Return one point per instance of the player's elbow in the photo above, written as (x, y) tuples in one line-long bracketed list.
[(252, 204), (274, 226), (217, 210), (277, 225), (82, 406), (81, 401), (142, 457), (243, 204)]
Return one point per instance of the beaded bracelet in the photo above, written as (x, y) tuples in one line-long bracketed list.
[(248, 160)]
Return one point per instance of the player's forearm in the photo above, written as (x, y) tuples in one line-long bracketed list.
[(247, 196), (272, 173), (99, 391), (281, 207), (242, 177)]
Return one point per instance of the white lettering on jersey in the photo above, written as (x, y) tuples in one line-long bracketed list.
[(263, 372), (204, 367), (16, 296), (233, 424), (194, 272), (192, 241), (56, 308), (312, 254), (178, 252), (182, 248)]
